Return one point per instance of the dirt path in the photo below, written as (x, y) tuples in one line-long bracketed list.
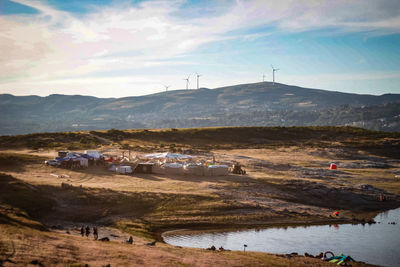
[(103, 140)]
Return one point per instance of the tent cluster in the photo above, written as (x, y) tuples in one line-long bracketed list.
[(77, 160), (179, 164), (159, 163)]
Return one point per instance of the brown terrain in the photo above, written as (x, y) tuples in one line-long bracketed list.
[(288, 182)]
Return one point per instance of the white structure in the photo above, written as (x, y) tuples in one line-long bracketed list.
[(273, 74), (93, 153), (124, 169), (168, 155), (217, 170), (198, 76), (187, 82)]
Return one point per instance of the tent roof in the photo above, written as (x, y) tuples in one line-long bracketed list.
[(168, 155)]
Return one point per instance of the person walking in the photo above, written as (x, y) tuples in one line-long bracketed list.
[(82, 231)]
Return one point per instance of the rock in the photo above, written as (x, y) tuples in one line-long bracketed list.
[(36, 262), (154, 243)]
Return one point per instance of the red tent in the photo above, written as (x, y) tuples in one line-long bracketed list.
[(336, 213)]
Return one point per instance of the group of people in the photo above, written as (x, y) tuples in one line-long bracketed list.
[(86, 231)]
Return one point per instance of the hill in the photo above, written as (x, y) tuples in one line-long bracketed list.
[(257, 104)]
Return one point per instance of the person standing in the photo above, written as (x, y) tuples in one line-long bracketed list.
[(82, 231), (87, 231), (95, 233)]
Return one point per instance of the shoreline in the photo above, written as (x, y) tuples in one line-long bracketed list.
[(216, 228)]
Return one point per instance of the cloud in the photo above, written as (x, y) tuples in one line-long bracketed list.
[(57, 45)]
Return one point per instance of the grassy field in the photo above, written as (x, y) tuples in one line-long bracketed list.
[(384, 143), (288, 182)]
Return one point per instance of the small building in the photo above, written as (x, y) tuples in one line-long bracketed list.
[(124, 169), (145, 167)]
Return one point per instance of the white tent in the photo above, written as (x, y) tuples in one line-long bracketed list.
[(168, 155), (124, 169), (173, 168), (217, 170), (93, 153), (194, 169)]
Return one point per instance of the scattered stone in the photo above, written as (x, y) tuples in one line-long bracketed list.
[(36, 262), (370, 188), (154, 243)]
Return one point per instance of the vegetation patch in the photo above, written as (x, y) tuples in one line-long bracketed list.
[(17, 162), (35, 201)]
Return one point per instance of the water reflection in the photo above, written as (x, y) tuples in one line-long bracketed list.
[(377, 243)]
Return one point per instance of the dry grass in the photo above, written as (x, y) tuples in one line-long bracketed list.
[(50, 248), (381, 143), (277, 190)]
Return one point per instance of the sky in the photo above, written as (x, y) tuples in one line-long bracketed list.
[(109, 48)]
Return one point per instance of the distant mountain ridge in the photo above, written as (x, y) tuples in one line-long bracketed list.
[(271, 104)]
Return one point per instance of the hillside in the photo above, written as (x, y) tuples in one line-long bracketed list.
[(206, 139), (258, 104)]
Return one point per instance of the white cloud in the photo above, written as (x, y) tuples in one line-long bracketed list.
[(56, 45)]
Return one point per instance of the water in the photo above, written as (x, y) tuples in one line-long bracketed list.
[(376, 244)]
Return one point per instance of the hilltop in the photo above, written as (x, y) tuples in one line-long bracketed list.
[(257, 104)]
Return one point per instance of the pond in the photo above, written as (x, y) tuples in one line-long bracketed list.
[(376, 243)]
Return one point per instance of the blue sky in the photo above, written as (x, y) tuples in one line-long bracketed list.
[(125, 48)]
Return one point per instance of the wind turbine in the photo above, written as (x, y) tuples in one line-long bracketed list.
[(166, 87), (198, 76), (273, 74), (187, 82)]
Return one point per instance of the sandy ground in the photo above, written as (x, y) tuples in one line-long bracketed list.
[(305, 169), (288, 184)]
